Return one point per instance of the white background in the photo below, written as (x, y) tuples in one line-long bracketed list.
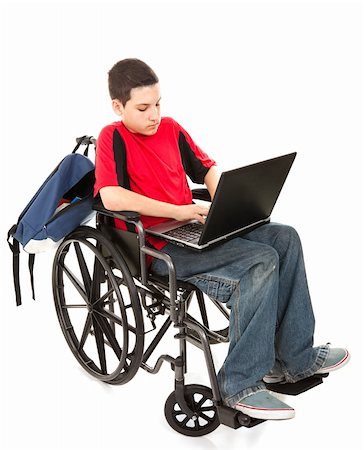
[(249, 80)]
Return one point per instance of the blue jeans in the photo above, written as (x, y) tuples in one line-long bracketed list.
[(261, 278)]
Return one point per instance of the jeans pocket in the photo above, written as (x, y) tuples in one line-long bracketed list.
[(216, 288)]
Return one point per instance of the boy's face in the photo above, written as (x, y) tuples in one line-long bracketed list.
[(141, 114)]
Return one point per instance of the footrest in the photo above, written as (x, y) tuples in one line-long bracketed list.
[(298, 387), (236, 419)]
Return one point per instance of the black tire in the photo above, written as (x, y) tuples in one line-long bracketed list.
[(98, 306), (199, 399)]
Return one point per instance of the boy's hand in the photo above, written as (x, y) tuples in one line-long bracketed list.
[(191, 212)]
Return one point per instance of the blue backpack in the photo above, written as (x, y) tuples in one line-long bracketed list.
[(62, 203)]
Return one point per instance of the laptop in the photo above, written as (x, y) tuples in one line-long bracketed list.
[(243, 201)]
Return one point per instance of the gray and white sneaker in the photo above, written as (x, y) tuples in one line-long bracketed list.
[(336, 358), (263, 405)]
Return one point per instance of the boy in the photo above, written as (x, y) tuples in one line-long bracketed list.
[(141, 165)]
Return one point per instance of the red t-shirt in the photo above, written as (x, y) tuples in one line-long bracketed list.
[(154, 166)]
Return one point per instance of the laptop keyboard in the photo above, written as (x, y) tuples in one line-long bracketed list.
[(188, 232)]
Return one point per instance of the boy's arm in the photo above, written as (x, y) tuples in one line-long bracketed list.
[(116, 198), (211, 180)]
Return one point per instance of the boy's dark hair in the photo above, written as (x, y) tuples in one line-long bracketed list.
[(128, 74)]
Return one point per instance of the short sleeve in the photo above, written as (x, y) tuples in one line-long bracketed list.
[(109, 162), (195, 161)]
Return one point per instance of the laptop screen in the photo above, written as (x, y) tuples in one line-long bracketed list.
[(245, 196)]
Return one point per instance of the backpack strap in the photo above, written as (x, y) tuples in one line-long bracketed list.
[(31, 271), (14, 247), (85, 140)]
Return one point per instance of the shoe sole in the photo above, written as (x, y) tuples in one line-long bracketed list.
[(273, 380), (336, 366), (266, 413)]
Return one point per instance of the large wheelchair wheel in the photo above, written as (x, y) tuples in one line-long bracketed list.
[(98, 306)]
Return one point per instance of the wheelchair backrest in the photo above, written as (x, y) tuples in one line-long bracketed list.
[(125, 241)]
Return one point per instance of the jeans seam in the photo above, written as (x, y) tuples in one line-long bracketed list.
[(237, 315), (203, 276)]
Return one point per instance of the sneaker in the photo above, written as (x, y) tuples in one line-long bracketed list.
[(262, 405), (336, 358)]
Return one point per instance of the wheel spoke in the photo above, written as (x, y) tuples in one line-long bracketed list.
[(207, 418), (86, 332), (197, 425), (103, 297), (100, 344), (95, 283), (107, 294), (111, 316), (110, 336), (184, 421), (74, 306), (200, 402), (84, 269), (75, 281), (207, 408), (116, 319)]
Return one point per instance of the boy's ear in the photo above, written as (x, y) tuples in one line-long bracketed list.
[(118, 107)]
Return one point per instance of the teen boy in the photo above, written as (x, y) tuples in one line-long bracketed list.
[(141, 165)]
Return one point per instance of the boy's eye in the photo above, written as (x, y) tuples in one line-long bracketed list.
[(144, 109)]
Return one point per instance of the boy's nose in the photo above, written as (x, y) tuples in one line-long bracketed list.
[(154, 114)]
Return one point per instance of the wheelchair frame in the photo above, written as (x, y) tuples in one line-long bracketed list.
[(113, 289)]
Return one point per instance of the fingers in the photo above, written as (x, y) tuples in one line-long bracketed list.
[(189, 212), (200, 218), (201, 214)]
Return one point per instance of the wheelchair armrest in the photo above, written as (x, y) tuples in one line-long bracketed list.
[(127, 216), (201, 194)]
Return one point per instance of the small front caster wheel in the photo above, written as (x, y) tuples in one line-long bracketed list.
[(199, 400)]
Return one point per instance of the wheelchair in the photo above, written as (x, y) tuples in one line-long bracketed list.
[(104, 294)]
